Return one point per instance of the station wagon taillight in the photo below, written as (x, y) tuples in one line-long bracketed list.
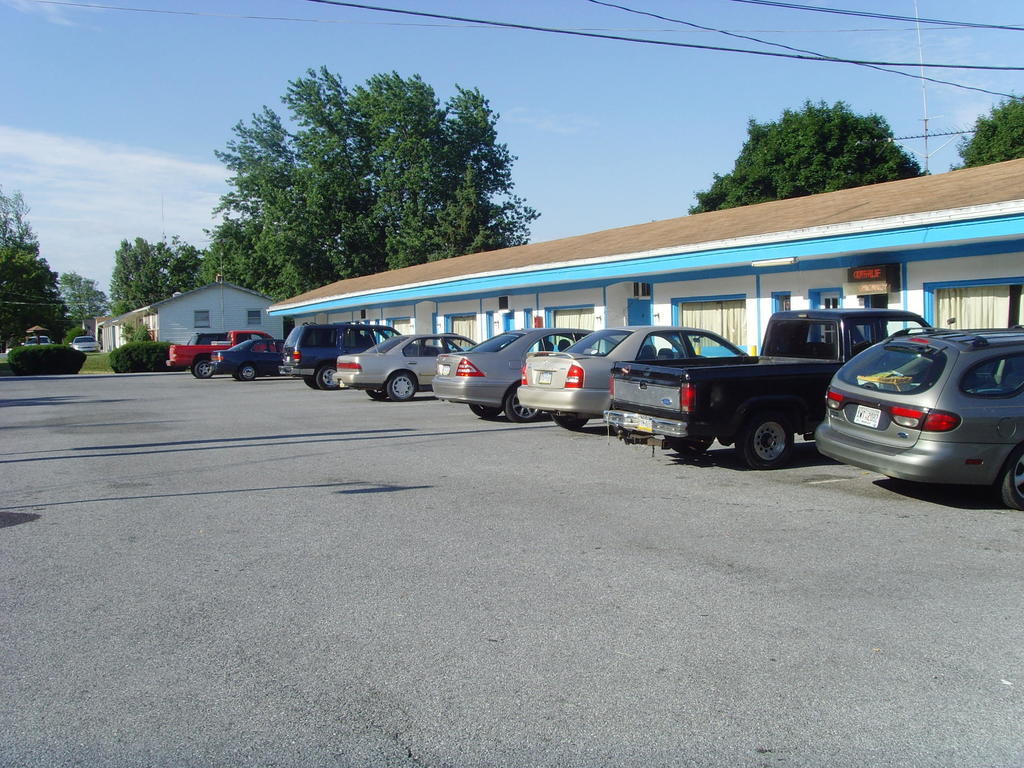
[(466, 368), (926, 421), (574, 378), (834, 400)]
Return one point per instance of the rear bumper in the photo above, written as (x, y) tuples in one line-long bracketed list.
[(295, 370), (471, 390), (927, 461), (582, 402), (628, 421)]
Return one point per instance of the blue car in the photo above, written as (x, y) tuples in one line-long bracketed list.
[(252, 358)]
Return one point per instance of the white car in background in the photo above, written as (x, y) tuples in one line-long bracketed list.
[(85, 344)]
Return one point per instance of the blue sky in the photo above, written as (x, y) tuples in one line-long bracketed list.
[(111, 118)]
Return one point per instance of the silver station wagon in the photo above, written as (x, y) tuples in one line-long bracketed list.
[(934, 406)]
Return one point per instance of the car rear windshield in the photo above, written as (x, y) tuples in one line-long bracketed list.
[(495, 343), (599, 343), (897, 367)]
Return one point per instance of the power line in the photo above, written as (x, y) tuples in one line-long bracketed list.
[(887, 16), (920, 77), (667, 43)]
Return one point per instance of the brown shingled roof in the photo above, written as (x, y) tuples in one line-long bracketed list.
[(996, 183)]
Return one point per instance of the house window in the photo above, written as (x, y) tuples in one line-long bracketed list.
[(253, 317), (201, 318)]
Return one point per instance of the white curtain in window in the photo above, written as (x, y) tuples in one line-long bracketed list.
[(465, 325), (981, 306), (403, 325), (582, 317), (726, 318)]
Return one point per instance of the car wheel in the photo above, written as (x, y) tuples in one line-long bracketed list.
[(484, 411), (246, 372), (1012, 485), (515, 411), (202, 369), (310, 382), (766, 441), (325, 377), (689, 446), (377, 394), (401, 386), (574, 423)]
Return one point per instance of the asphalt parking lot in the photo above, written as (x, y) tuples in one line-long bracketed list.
[(214, 573)]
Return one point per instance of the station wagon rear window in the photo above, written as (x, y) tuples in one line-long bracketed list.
[(895, 368)]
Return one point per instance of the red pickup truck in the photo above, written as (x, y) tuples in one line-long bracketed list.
[(195, 353)]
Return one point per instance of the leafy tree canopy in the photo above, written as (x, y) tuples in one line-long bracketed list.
[(376, 177), (147, 272), (997, 137), (819, 148), (82, 297), (28, 287)]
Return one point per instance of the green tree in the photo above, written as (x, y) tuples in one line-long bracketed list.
[(997, 137), (82, 297), (28, 287), (371, 178), (146, 272), (820, 148)]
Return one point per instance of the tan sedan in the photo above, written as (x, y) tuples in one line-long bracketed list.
[(573, 385)]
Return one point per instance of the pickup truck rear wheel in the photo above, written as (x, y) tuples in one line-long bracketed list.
[(202, 369), (565, 421), (325, 377), (310, 381), (401, 386), (1012, 481), (766, 441)]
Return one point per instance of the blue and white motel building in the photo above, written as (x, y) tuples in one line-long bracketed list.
[(948, 246)]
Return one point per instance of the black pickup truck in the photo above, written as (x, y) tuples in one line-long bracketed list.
[(757, 403)]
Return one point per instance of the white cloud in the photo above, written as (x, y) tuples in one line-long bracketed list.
[(52, 13), (547, 122), (86, 196)]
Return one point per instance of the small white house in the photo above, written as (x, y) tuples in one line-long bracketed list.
[(214, 307)]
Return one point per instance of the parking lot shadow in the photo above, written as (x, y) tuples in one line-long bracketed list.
[(957, 496), (7, 519)]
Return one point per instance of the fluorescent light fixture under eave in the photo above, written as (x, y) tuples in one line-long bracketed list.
[(783, 262)]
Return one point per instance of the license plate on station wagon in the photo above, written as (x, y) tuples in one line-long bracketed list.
[(867, 417)]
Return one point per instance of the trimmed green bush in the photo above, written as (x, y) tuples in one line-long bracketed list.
[(74, 333), (140, 357), (45, 360)]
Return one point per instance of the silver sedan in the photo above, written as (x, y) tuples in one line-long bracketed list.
[(398, 368), (487, 376), (573, 385)]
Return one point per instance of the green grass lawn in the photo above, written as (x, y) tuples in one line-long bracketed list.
[(97, 362)]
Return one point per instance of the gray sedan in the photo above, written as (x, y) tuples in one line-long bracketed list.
[(400, 367), (573, 385), (487, 376)]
